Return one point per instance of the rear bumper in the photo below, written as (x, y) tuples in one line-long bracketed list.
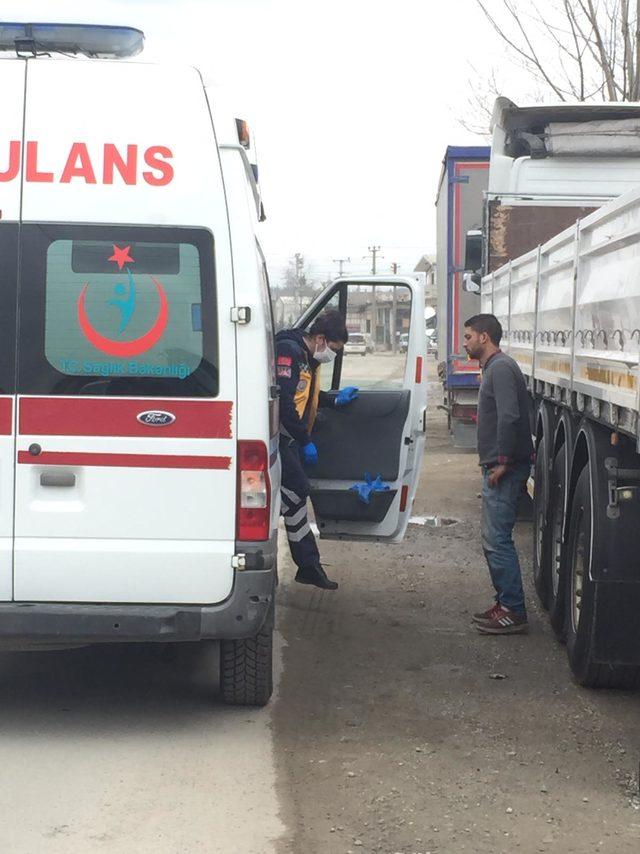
[(25, 625)]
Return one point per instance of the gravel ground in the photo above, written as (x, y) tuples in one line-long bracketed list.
[(399, 729)]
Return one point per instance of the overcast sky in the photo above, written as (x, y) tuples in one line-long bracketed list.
[(353, 103)]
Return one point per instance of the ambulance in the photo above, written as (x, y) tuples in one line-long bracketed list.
[(139, 470)]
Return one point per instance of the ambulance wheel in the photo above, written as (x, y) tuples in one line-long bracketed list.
[(541, 539), (580, 613), (557, 585), (246, 667)]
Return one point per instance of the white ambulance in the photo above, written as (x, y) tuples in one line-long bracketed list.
[(139, 472)]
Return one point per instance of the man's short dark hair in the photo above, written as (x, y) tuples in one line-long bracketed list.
[(330, 324), (488, 323)]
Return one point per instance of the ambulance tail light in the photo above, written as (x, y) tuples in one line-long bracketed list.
[(254, 492)]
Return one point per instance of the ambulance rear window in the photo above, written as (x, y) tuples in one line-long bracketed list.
[(124, 311)]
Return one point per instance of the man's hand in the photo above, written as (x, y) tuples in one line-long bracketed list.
[(310, 454), (496, 474), (346, 395)]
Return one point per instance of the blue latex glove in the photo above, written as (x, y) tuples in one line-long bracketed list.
[(368, 487), (346, 395), (310, 454)]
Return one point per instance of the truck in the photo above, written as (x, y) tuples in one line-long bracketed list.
[(562, 274), (459, 206)]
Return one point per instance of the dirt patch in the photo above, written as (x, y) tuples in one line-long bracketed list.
[(393, 733)]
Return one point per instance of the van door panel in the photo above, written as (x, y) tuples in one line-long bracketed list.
[(11, 141), (383, 431), (123, 494), (8, 285), (365, 437)]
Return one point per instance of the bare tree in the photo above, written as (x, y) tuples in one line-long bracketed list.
[(575, 50)]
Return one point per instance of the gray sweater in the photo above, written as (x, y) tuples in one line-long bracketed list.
[(504, 431)]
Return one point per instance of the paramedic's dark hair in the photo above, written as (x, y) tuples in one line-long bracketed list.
[(488, 323), (330, 324)]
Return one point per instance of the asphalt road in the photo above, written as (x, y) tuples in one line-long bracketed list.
[(388, 734), (126, 749)]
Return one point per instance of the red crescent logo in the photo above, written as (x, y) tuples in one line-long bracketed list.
[(125, 348)]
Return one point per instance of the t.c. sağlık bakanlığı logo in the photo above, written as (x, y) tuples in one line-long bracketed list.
[(125, 301)]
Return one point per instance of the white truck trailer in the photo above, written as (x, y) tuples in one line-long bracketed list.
[(570, 310)]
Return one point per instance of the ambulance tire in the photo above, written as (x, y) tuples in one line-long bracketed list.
[(246, 667), (580, 600)]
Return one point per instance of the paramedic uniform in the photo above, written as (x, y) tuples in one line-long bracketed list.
[(298, 375)]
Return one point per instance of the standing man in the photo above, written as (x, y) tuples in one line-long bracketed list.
[(299, 357), (506, 451)]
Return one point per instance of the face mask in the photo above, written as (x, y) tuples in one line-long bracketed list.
[(324, 356)]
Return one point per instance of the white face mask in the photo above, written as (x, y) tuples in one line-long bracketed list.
[(324, 356)]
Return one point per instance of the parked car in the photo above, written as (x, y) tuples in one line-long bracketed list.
[(356, 345)]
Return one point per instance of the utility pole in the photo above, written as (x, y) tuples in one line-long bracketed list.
[(299, 261), (394, 310), (340, 262), (373, 253)]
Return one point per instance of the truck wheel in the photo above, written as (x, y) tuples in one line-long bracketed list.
[(557, 585), (541, 540), (579, 601), (246, 667)]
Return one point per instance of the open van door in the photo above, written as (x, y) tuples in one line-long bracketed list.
[(382, 433)]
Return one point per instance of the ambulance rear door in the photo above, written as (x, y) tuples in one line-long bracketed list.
[(126, 471), (12, 76), (370, 451)]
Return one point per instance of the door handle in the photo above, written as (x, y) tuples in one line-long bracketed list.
[(57, 478)]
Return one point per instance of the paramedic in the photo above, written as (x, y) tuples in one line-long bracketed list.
[(299, 357)]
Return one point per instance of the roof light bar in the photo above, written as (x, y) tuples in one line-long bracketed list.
[(95, 41)]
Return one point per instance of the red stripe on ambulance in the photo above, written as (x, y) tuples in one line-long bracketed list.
[(6, 416), (63, 416)]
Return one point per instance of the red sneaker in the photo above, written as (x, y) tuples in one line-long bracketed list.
[(504, 622), (487, 615)]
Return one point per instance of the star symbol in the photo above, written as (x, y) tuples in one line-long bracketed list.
[(121, 256)]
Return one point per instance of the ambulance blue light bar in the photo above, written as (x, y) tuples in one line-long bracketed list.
[(96, 41)]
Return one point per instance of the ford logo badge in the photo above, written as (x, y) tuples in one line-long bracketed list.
[(155, 418)]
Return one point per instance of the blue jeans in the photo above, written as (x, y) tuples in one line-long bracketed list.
[(499, 509)]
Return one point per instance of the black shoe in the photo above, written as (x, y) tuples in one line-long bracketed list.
[(317, 576)]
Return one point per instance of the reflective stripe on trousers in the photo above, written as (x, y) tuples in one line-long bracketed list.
[(294, 494)]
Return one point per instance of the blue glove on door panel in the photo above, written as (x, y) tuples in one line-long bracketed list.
[(347, 395)]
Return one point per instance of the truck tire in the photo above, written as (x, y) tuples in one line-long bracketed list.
[(246, 667), (579, 601), (557, 574), (541, 540)]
